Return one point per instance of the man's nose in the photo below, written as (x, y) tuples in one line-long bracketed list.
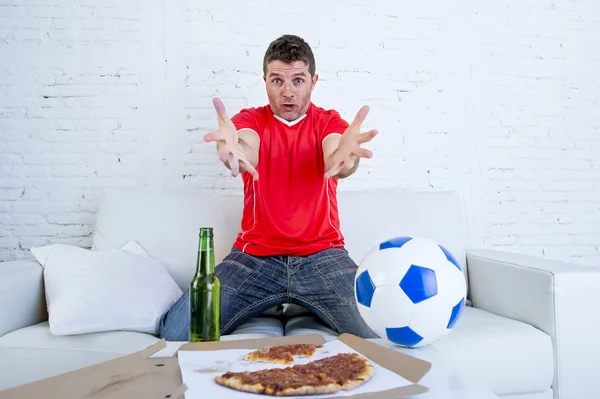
[(288, 90)]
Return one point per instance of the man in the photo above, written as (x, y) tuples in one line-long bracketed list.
[(290, 155)]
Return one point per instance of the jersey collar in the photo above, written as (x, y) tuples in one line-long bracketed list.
[(295, 121), (289, 123)]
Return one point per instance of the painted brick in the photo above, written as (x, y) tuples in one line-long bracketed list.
[(497, 101)]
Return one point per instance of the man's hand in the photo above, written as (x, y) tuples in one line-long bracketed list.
[(231, 150), (345, 158)]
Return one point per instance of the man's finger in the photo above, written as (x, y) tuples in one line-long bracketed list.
[(250, 169), (224, 153), (364, 153), (360, 116), (366, 137), (214, 136), (220, 108), (234, 164), (348, 164), (334, 170)]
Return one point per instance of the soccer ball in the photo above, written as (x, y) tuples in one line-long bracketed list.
[(410, 291)]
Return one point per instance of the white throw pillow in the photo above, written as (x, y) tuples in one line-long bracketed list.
[(93, 291)]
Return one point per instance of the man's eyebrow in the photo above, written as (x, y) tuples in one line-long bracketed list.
[(296, 74)]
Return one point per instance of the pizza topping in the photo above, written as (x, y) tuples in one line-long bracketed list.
[(283, 353), (339, 370), (276, 380)]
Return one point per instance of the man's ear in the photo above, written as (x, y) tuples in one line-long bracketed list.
[(314, 80), (265, 78)]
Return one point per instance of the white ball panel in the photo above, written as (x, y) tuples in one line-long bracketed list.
[(452, 285), (423, 252), (430, 318), (386, 267), (391, 307)]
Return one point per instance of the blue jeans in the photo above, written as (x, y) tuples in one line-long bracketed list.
[(322, 283)]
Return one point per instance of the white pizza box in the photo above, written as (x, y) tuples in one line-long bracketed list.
[(140, 376)]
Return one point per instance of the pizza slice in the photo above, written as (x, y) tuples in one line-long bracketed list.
[(345, 371), (283, 354)]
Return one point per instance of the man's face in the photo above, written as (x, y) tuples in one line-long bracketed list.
[(289, 87)]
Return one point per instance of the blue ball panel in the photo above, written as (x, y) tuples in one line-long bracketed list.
[(394, 242), (419, 283), (404, 336), (451, 258), (364, 289), (456, 312)]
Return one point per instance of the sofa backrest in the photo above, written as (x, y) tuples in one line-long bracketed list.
[(166, 225)]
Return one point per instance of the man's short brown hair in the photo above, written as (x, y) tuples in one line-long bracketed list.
[(290, 48)]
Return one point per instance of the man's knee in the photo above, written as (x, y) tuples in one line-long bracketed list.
[(175, 324), (359, 328)]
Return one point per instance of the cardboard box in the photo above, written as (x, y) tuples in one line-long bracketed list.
[(139, 376)]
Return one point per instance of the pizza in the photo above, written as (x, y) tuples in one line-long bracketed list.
[(344, 371), (283, 354)]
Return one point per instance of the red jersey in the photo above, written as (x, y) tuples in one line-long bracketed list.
[(291, 209)]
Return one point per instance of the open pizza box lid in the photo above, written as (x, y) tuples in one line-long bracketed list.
[(140, 376)]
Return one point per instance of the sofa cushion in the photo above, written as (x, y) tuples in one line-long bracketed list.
[(119, 342), (508, 355), (39, 337), (304, 324), (143, 216), (437, 215), (95, 291), (259, 327)]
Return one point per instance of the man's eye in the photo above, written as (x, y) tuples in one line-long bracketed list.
[(277, 80), (299, 80)]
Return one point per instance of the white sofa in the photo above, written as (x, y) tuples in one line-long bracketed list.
[(530, 330)]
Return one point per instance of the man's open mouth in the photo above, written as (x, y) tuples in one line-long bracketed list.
[(288, 107)]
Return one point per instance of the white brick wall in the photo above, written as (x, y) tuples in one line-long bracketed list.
[(498, 100)]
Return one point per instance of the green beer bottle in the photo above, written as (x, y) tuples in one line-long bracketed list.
[(205, 293)]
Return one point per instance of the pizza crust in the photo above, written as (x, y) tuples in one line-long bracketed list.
[(361, 379), (237, 381), (330, 388)]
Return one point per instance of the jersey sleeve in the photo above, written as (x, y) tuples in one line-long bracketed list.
[(246, 119), (334, 125)]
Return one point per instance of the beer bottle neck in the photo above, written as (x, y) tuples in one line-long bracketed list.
[(206, 256)]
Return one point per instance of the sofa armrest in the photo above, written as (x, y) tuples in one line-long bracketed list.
[(22, 300), (559, 298)]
